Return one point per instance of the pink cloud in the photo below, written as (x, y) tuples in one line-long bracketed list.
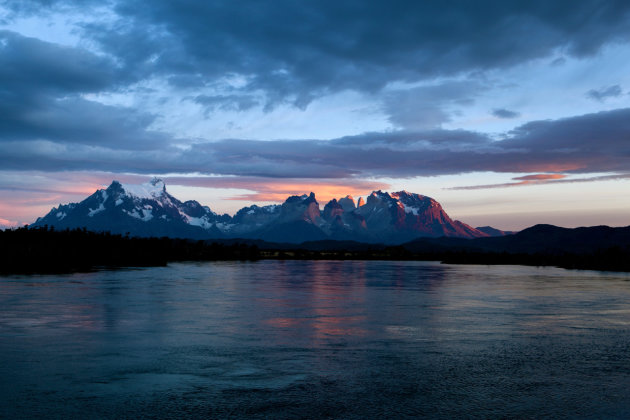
[(6, 224), (537, 179), (278, 189)]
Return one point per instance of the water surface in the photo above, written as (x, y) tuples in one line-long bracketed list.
[(324, 339)]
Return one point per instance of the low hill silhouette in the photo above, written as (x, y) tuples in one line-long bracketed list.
[(44, 249)]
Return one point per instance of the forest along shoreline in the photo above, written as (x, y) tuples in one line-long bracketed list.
[(45, 250)]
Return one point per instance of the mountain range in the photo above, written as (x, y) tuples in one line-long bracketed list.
[(149, 210)]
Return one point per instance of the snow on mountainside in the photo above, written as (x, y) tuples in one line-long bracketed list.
[(403, 215), (141, 210), (149, 210)]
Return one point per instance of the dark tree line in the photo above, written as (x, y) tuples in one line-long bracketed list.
[(609, 259), (45, 249)]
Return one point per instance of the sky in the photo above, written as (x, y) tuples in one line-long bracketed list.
[(509, 113)]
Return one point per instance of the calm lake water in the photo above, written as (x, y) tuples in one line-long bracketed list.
[(316, 339)]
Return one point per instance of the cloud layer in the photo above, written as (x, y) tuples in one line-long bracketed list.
[(115, 93), (589, 143), (298, 50), (253, 55), (538, 179)]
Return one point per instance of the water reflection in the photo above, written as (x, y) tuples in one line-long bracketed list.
[(316, 339)]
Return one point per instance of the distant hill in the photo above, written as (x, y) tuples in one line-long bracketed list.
[(490, 231), (596, 247), (544, 239)]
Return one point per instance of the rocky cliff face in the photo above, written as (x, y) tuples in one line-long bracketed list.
[(347, 203), (402, 215), (149, 210)]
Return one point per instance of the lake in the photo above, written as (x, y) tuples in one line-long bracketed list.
[(316, 339)]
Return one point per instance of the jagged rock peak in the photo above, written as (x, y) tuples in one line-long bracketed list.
[(347, 203), (304, 199), (115, 187), (378, 196), (404, 193), (332, 209), (148, 210), (311, 198), (409, 195), (412, 198), (158, 183)]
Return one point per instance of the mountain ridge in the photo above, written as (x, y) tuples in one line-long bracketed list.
[(149, 210)]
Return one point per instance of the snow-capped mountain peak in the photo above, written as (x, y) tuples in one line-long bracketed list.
[(152, 189), (149, 210), (145, 210)]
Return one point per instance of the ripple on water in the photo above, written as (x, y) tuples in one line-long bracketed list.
[(321, 339)]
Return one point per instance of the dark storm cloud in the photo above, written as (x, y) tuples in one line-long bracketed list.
[(78, 121), (42, 97), (30, 66), (292, 51), (296, 51), (605, 93), (586, 144), (598, 135), (425, 139), (505, 113), (227, 102)]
